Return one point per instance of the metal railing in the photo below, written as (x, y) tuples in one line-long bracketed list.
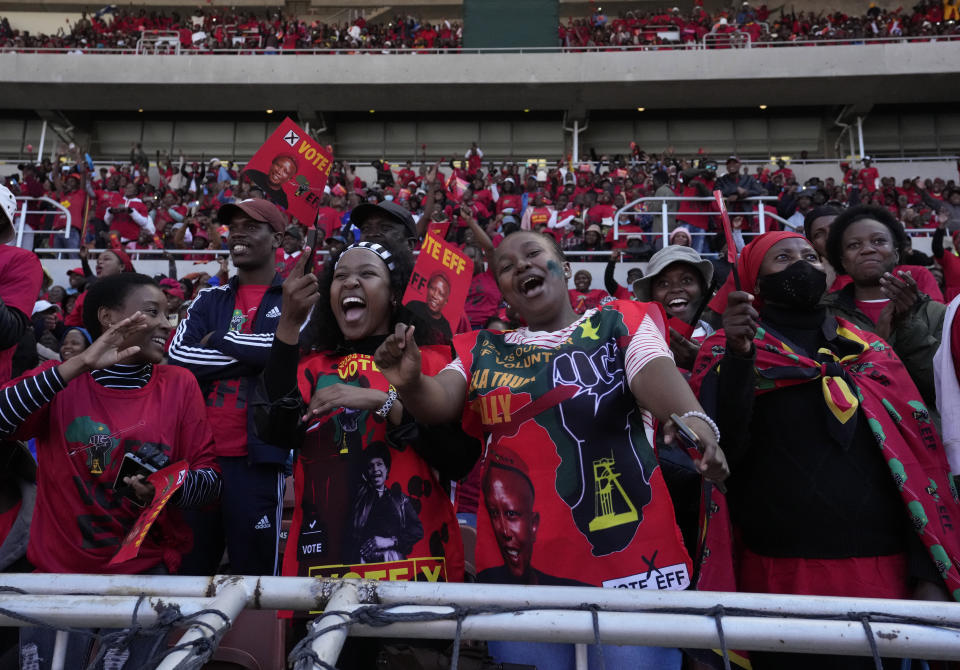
[(706, 44), (20, 219), (736, 39), (408, 609), (660, 209), (159, 42)]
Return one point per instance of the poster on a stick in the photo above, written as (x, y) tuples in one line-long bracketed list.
[(291, 169), (439, 284)]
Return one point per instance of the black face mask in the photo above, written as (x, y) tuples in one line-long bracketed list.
[(800, 285)]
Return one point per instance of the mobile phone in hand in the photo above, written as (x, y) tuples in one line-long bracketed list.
[(131, 466), (691, 441)]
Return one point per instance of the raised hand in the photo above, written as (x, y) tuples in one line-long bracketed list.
[(399, 357), (432, 173), (740, 322), (106, 350), (902, 291), (299, 296)]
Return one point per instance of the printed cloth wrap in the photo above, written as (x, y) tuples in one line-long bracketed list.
[(340, 510), (858, 371)]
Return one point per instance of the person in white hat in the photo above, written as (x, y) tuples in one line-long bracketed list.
[(20, 279), (679, 279)]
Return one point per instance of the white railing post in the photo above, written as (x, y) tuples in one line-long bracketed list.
[(763, 218), (665, 228), (327, 646), (231, 599), (23, 222)]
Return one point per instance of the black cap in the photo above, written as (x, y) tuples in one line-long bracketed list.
[(390, 209)]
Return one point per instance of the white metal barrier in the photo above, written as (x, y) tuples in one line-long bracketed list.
[(660, 208), (736, 39), (20, 219), (579, 615), (159, 42)]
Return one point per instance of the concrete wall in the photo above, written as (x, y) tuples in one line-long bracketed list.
[(889, 73)]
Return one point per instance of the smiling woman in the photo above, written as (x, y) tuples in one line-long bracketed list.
[(867, 243), (572, 491), (366, 489), (111, 399)]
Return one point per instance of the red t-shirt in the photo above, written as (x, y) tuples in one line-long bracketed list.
[(483, 299), (598, 213), (123, 224), (509, 201), (76, 204), (872, 308), (20, 280), (285, 262), (926, 282), (329, 222), (868, 178), (75, 318), (79, 522), (581, 302), (951, 273), (226, 404)]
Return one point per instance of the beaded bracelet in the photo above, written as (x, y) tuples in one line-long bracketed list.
[(707, 420), (391, 397)]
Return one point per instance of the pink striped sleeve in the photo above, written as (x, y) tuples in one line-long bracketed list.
[(646, 344)]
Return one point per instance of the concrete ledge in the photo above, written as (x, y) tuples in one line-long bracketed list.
[(887, 73)]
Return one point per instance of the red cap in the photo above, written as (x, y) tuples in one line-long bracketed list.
[(258, 210), (75, 271)]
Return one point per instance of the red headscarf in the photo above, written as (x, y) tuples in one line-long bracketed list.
[(748, 266), (123, 258)]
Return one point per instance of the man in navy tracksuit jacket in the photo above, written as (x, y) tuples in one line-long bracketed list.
[(225, 341)]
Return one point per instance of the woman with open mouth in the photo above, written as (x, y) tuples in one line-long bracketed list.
[(367, 500), (108, 402), (572, 488), (679, 280)]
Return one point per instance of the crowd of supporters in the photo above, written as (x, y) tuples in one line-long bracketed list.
[(171, 203), (220, 29), (828, 314), (216, 29), (664, 27)]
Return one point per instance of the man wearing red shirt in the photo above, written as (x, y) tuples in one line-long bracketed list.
[(73, 197), (582, 297), (406, 174), (290, 249), (602, 213), (869, 176), (509, 199), (225, 341), (127, 214), (783, 171), (474, 159)]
